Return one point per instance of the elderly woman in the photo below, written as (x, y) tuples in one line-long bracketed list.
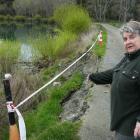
[(125, 86)]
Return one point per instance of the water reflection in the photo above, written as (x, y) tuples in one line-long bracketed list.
[(26, 53)]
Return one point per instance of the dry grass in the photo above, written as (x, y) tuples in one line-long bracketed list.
[(22, 85)]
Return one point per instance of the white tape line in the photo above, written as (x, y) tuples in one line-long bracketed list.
[(33, 94)]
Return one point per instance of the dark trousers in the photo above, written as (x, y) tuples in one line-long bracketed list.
[(123, 137)]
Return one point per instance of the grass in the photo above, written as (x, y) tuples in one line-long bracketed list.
[(62, 44), (51, 48), (61, 131), (44, 123), (72, 18), (43, 47), (9, 53), (100, 50), (50, 72)]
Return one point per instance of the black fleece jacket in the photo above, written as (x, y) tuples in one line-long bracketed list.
[(125, 92)]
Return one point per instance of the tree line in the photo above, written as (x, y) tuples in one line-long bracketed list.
[(100, 10)]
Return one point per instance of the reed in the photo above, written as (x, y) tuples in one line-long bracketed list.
[(9, 54), (51, 48), (72, 18)]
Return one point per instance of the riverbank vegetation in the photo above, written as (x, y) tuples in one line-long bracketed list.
[(42, 112), (9, 53), (44, 123), (72, 21), (50, 49)]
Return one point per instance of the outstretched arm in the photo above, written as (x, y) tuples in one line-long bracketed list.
[(102, 77)]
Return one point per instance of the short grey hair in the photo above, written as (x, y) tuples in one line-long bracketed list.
[(131, 26)]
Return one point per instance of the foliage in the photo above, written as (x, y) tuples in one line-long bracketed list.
[(72, 18), (43, 122)]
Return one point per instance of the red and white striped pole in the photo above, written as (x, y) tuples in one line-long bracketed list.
[(13, 130), (100, 39)]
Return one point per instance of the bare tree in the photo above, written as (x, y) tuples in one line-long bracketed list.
[(125, 10), (34, 7), (100, 8)]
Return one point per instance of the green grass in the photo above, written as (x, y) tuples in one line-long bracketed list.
[(9, 53), (62, 44), (60, 131), (43, 47), (72, 18), (51, 48), (44, 123), (49, 72), (100, 50)]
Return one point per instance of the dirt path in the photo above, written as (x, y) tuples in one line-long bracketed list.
[(96, 121)]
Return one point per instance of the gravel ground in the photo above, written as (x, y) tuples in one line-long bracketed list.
[(96, 121)]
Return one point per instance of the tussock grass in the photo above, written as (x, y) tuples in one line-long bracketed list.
[(44, 123), (9, 53), (62, 44), (72, 18), (61, 131), (50, 49), (43, 47)]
